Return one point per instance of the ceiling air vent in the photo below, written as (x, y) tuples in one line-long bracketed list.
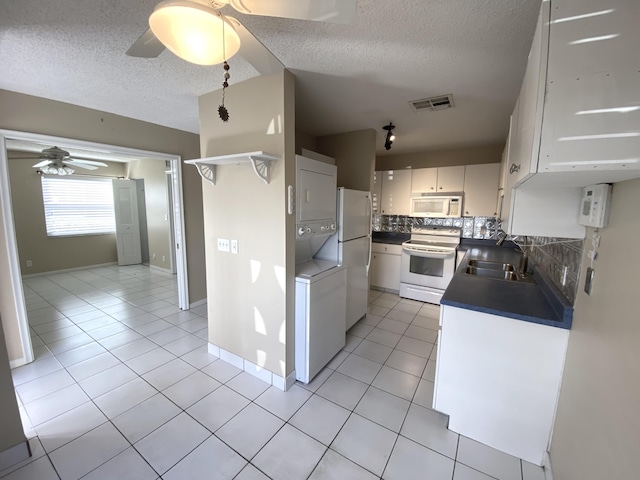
[(441, 102)]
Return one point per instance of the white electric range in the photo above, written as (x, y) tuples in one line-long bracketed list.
[(428, 262)]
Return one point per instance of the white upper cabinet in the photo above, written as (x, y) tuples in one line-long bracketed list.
[(525, 144), (592, 116), (577, 119), (481, 190), (424, 180), (376, 193), (437, 180), (396, 192), (450, 179)]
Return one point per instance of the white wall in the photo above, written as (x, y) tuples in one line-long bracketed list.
[(251, 294), (597, 429)]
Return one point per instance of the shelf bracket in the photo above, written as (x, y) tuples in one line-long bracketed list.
[(208, 172), (262, 168), (260, 161)]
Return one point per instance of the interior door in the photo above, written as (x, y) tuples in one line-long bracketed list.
[(125, 204)]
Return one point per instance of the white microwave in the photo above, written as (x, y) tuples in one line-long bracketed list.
[(437, 206)]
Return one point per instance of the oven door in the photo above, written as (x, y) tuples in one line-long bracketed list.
[(433, 268)]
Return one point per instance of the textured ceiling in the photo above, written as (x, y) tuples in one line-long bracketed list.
[(348, 77)]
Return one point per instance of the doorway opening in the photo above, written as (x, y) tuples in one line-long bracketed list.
[(171, 171)]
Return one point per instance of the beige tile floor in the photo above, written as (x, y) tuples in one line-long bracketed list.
[(123, 387)]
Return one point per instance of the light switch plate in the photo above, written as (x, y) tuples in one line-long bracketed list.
[(223, 244), (234, 246)]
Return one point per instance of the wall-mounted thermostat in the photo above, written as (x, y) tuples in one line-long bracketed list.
[(594, 209)]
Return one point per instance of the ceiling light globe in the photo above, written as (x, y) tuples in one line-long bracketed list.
[(194, 32), (392, 137)]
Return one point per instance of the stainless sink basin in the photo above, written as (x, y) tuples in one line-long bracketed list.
[(493, 272), (483, 264)]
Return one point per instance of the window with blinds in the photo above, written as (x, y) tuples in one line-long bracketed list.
[(78, 206)]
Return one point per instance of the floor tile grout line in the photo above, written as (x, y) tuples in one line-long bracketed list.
[(312, 393)]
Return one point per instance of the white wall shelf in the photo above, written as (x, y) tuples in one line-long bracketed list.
[(260, 161)]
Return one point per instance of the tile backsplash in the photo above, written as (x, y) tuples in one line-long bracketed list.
[(552, 255), (472, 227)]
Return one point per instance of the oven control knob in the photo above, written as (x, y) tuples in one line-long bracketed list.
[(323, 228), (333, 226), (308, 229), (301, 231)]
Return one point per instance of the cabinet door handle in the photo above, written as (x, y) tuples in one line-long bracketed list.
[(514, 168)]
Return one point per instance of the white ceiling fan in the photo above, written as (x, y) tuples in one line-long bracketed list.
[(56, 161), (194, 29)]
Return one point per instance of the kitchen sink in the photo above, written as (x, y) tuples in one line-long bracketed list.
[(483, 264), (497, 270), (493, 272)]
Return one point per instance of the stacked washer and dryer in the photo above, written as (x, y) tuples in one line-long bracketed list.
[(321, 284)]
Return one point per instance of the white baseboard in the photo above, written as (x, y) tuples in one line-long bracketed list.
[(251, 368), (18, 362), (198, 303), (14, 455), (546, 464), (67, 270), (160, 269)]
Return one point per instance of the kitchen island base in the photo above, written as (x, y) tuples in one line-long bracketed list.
[(498, 379)]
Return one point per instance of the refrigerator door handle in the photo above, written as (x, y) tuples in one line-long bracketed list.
[(370, 212), (369, 236)]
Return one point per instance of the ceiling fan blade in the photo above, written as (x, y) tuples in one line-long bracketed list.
[(147, 46), (78, 161), (254, 52), (334, 11), (79, 165), (42, 163)]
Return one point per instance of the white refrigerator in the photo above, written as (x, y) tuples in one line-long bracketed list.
[(351, 247)]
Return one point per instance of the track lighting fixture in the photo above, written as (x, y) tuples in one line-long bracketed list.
[(390, 136)]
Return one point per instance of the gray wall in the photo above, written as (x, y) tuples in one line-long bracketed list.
[(597, 429), (355, 154), (48, 254), (442, 158), (157, 209)]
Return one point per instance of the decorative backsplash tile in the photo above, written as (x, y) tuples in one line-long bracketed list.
[(552, 255), (472, 227)]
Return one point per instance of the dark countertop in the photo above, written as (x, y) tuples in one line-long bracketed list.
[(537, 300), (390, 237)]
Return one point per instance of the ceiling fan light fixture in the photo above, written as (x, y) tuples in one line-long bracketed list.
[(194, 32), (57, 170)]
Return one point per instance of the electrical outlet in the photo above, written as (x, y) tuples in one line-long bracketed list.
[(234, 246), (223, 244), (29, 263), (163, 258), (153, 256)]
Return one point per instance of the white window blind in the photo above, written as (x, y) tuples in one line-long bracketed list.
[(78, 206)]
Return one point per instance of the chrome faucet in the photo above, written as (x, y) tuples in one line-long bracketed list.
[(502, 236)]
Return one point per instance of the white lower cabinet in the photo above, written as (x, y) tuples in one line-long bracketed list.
[(498, 379), (385, 266)]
